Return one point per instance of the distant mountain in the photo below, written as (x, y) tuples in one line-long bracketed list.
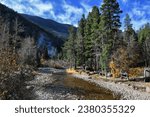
[(61, 30), (46, 33)]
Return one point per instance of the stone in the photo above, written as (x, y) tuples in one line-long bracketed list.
[(146, 72), (147, 79), (148, 89), (109, 74), (129, 84), (29, 87)]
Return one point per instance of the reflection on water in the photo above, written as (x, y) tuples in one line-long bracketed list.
[(81, 88)]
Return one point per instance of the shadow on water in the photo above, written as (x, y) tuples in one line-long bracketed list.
[(84, 90)]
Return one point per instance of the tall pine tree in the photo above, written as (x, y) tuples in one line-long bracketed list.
[(91, 35), (70, 47), (109, 25), (81, 41), (88, 42)]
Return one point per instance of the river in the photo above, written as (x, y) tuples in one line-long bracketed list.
[(62, 86)]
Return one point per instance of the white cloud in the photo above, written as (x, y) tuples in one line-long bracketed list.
[(72, 14), (124, 1), (87, 8), (138, 12), (33, 7), (139, 20), (137, 24)]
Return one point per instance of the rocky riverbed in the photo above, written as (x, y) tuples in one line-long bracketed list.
[(126, 90), (54, 84)]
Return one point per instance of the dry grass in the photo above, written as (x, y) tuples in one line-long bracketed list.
[(58, 64), (135, 72), (71, 71)]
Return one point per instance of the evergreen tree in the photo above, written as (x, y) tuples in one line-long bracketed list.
[(127, 55), (81, 41), (144, 40), (109, 25), (111, 15), (70, 48), (127, 22), (110, 20), (144, 33), (95, 14), (91, 36), (130, 38), (88, 42), (130, 34)]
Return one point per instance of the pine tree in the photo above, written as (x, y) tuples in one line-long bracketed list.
[(95, 14), (129, 31), (91, 36), (109, 25), (70, 47), (81, 41), (110, 20), (127, 22), (88, 42), (111, 15), (144, 40)]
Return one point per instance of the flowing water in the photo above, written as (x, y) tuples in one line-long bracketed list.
[(62, 86), (82, 89)]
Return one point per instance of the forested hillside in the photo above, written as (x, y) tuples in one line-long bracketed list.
[(22, 46), (33, 30), (41, 50), (61, 30), (100, 44)]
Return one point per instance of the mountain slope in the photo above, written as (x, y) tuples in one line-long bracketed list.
[(61, 30), (46, 33)]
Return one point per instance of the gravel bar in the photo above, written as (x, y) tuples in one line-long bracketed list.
[(126, 92)]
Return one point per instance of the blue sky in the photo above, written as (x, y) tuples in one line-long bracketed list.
[(70, 11)]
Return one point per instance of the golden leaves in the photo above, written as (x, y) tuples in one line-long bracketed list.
[(8, 61)]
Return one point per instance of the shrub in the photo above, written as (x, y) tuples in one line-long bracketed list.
[(12, 75)]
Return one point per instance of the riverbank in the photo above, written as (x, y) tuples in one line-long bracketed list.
[(46, 85), (127, 90), (56, 84)]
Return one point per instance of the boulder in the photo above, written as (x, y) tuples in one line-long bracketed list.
[(148, 89), (146, 72), (147, 79)]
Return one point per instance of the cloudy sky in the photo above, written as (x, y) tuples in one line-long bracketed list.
[(70, 11)]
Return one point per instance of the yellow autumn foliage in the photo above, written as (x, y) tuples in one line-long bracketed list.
[(134, 72), (114, 70), (8, 61), (71, 71)]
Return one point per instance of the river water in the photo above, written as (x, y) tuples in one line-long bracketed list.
[(62, 86), (82, 89)]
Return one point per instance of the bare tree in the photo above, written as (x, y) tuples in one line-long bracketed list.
[(16, 40), (28, 51), (4, 33)]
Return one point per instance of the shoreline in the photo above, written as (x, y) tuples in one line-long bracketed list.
[(125, 91)]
